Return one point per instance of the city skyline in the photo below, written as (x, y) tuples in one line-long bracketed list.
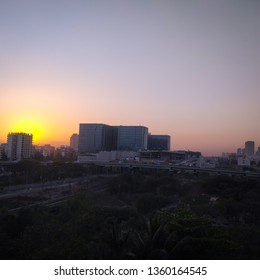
[(250, 148), (182, 68)]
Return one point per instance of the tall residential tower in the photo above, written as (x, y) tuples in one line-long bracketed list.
[(19, 146)]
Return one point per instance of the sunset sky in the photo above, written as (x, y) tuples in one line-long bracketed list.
[(190, 69)]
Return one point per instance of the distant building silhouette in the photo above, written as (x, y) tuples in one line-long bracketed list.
[(239, 152), (19, 146), (65, 152), (249, 148), (74, 141), (46, 151), (159, 142)]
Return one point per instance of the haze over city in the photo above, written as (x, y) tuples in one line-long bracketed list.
[(189, 69)]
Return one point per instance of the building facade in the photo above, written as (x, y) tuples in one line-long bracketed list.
[(19, 146), (94, 138), (159, 142), (132, 138)]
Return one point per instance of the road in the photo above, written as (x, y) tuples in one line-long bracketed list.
[(18, 190)]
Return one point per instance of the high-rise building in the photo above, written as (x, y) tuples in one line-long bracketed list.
[(132, 138), (249, 148), (19, 146), (158, 142), (94, 138), (74, 141)]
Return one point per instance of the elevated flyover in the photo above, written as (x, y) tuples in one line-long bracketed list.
[(177, 168)]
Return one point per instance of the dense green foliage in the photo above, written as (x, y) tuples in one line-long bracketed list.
[(158, 216)]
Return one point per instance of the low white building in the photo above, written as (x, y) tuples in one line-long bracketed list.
[(243, 161), (106, 156)]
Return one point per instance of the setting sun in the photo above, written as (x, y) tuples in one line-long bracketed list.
[(31, 126)]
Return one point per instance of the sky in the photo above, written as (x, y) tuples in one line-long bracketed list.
[(186, 68)]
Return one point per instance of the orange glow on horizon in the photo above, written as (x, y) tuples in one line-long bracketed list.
[(47, 129), (30, 126)]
